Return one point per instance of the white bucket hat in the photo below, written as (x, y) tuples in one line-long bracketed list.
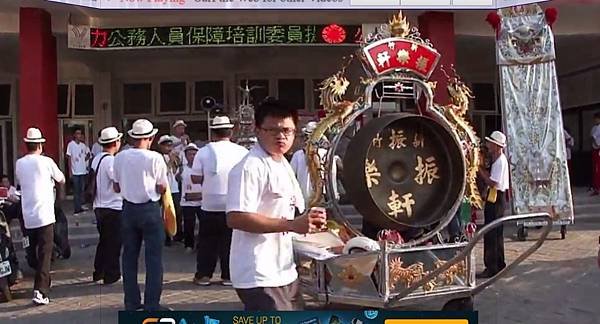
[(221, 122), (109, 135), (191, 146), (165, 138), (142, 128), (34, 135), (179, 122), (309, 128), (497, 138)]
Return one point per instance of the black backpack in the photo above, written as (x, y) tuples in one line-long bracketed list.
[(92, 186)]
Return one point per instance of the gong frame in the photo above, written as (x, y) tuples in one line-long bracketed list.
[(422, 88)]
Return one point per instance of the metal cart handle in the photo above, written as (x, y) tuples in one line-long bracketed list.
[(467, 250)]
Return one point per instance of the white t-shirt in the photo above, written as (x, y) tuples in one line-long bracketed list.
[(96, 149), (138, 171), (499, 173), (300, 168), (259, 184), (36, 174), (213, 162), (187, 186), (595, 137), (13, 193), (173, 184), (569, 143), (78, 154), (106, 197)]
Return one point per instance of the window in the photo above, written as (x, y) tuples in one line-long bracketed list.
[(260, 91), (203, 89), (493, 123), (173, 97), (292, 92), (137, 98), (485, 97), (63, 99), (84, 100), (4, 99), (197, 130)]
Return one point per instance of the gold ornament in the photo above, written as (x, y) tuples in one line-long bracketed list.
[(399, 26)]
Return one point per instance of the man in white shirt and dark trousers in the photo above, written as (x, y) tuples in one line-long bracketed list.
[(174, 162), (211, 169), (263, 198), (141, 178), (191, 198), (78, 155), (497, 181), (107, 206), (37, 175)]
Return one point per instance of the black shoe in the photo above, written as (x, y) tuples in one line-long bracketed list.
[(485, 274), (110, 281), (97, 277)]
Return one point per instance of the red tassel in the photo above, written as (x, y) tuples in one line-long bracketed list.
[(494, 20), (551, 16)]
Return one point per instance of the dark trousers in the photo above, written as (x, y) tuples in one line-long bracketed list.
[(178, 219), (42, 240), (107, 265), (493, 241), (214, 241), (189, 224), (78, 189), (286, 298), (142, 222)]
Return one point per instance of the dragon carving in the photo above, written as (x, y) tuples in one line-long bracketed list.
[(332, 91), (455, 112)]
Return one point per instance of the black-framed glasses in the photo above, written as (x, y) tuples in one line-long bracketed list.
[(274, 131)]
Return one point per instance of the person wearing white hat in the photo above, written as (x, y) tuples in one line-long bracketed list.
[(174, 165), (180, 138), (108, 206), (299, 163), (191, 198), (78, 155), (211, 169), (141, 178), (497, 181), (37, 175)]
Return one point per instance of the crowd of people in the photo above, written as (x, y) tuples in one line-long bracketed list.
[(247, 202)]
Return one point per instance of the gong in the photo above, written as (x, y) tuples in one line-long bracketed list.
[(404, 170)]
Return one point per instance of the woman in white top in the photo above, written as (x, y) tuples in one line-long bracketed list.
[(191, 198)]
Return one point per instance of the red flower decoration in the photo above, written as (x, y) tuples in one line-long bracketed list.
[(551, 15), (494, 20), (334, 34)]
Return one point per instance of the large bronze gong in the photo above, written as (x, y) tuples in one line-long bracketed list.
[(404, 170)]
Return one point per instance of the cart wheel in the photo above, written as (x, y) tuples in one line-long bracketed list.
[(5, 289), (459, 304), (563, 232), (522, 233)]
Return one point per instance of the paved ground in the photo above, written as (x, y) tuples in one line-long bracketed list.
[(558, 284)]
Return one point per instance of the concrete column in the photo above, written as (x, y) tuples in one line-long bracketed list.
[(38, 75)]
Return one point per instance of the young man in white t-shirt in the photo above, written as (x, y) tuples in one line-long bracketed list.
[(141, 178), (108, 205), (191, 198), (211, 169), (37, 175), (78, 155), (261, 205), (497, 181)]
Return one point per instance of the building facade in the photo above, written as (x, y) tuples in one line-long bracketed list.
[(46, 83)]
